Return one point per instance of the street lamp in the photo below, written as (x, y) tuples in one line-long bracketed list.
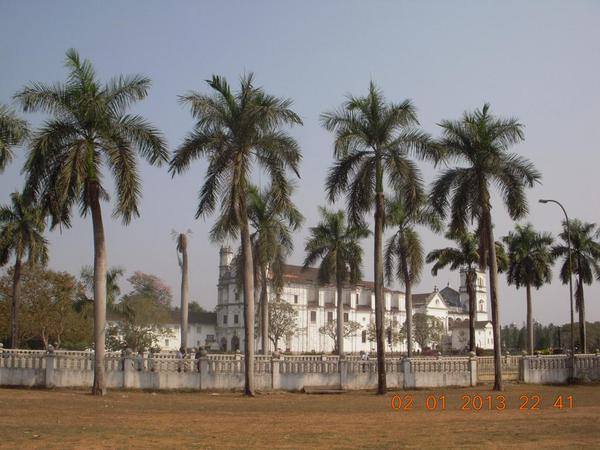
[(570, 278)]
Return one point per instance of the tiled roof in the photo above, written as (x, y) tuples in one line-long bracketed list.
[(479, 324), (421, 299), (451, 296)]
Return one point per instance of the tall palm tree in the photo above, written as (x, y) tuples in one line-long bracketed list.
[(236, 132), (374, 143), (89, 129), (336, 244), (113, 290), (182, 243), (465, 256), (530, 265), (585, 256), (404, 249), (273, 223), (13, 130), (22, 227), (479, 142)]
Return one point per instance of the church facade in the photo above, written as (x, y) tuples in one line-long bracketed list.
[(316, 305)]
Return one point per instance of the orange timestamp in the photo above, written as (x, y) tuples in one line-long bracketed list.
[(479, 402)]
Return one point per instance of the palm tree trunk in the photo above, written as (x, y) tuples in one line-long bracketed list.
[(185, 292), (264, 305), (340, 313), (472, 309), (100, 267), (379, 300), (494, 298), (529, 321), (582, 327), (408, 306), (16, 293), (248, 286)]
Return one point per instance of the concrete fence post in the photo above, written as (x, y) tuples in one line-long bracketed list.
[(525, 369), (343, 367), (50, 359), (409, 377), (275, 371), (127, 369), (203, 369), (473, 368)]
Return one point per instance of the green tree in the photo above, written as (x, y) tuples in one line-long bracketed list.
[(530, 265), (465, 256), (282, 321), (337, 245), (13, 131), (479, 143), (236, 132), (374, 143), (404, 249), (585, 256), (428, 331), (22, 227), (89, 129), (113, 290), (182, 239), (273, 222)]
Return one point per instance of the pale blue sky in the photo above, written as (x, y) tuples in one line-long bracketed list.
[(537, 60)]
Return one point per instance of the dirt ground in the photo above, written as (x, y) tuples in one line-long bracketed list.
[(125, 419)]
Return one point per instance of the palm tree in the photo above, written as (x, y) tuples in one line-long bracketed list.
[(113, 290), (374, 142), (479, 142), (22, 227), (273, 223), (13, 131), (404, 249), (236, 132), (336, 244), (465, 256), (530, 256), (585, 256), (181, 239), (89, 127)]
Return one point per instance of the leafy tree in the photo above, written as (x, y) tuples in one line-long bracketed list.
[(530, 256), (181, 239), (374, 142), (332, 330), (585, 256), (337, 245), (465, 256), (428, 331), (22, 236), (113, 290), (404, 249), (283, 319), (479, 143), (48, 312), (148, 285), (395, 332), (90, 129), (13, 131), (273, 222), (236, 132)]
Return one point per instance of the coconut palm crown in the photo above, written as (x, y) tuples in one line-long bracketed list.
[(237, 132), (89, 133), (13, 131)]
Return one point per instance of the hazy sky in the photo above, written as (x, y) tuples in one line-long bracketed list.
[(536, 60)]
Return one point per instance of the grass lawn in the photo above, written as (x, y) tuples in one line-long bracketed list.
[(123, 419)]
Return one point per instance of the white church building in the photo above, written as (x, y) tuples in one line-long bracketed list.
[(316, 305)]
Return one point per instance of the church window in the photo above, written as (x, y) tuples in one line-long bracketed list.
[(235, 318), (329, 316), (237, 296), (313, 316), (345, 317), (224, 319), (166, 342), (364, 336), (296, 299), (481, 305)]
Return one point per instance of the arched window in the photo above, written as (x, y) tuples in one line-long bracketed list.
[(481, 305), (364, 336), (223, 344)]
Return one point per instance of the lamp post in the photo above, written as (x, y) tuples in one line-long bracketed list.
[(570, 280)]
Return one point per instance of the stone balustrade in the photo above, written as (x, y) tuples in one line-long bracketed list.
[(276, 372)]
